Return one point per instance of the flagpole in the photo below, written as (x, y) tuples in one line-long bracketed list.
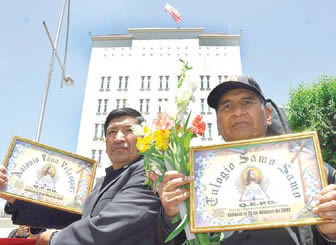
[(51, 66)]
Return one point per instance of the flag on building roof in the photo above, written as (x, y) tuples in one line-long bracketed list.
[(173, 12)]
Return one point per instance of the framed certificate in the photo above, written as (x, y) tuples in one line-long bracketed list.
[(48, 176), (256, 184)]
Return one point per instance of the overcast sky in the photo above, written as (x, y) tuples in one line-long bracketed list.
[(282, 43)]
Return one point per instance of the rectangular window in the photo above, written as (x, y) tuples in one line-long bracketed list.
[(208, 82), (202, 106), (99, 105), (159, 104), (126, 82), (118, 103), (124, 103), (102, 130), (202, 82), (99, 157), (209, 110), (209, 130), (93, 154), (167, 82), (96, 130), (219, 79), (120, 82), (102, 82), (141, 105), (161, 78), (142, 82), (147, 105), (148, 82), (108, 82), (105, 105), (178, 79)]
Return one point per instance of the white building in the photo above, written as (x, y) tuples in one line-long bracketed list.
[(141, 68)]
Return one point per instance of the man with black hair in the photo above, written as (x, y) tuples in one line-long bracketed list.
[(120, 209), (242, 114)]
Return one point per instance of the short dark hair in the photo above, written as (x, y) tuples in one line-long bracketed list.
[(125, 111)]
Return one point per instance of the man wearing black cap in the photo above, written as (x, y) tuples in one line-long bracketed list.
[(242, 114)]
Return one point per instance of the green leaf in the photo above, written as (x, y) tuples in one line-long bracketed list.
[(187, 140), (148, 181), (156, 159), (176, 219), (179, 228), (186, 123), (203, 238)]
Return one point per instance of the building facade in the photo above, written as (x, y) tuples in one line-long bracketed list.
[(141, 69)]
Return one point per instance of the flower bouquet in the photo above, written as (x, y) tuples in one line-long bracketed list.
[(165, 145)]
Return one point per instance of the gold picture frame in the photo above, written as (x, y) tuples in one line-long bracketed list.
[(48, 176), (262, 183)]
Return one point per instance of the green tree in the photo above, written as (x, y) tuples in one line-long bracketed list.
[(313, 107)]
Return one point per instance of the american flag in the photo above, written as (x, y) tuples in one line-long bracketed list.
[(173, 12)]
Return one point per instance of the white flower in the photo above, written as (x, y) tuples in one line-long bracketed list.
[(169, 109), (184, 94), (138, 130), (189, 81)]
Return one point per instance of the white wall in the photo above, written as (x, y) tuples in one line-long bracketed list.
[(153, 52)]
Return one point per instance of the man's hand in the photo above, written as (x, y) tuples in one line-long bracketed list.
[(3, 183), (171, 193), (22, 231), (3, 177), (326, 208), (44, 237)]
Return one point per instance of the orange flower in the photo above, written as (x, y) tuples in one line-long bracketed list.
[(197, 125), (163, 122)]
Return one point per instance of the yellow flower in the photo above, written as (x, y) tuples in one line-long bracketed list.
[(146, 130), (143, 144), (161, 138)]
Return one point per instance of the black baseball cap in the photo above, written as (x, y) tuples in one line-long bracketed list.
[(234, 82)]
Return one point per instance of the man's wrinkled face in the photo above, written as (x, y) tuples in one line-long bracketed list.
[(241, 115), (121, 141)]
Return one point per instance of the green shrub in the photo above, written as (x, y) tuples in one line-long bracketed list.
[(313, 107)]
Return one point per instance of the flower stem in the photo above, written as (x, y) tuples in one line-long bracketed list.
[(203, 238)]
